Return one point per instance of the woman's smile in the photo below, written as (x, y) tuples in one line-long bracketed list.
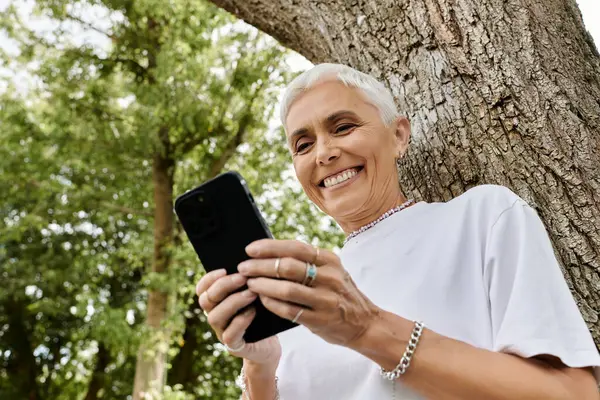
[(342, 179)]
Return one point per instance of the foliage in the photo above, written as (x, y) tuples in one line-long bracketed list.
[(77, 207)]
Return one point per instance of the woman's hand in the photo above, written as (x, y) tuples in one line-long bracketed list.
[(217, 298), (333, 307)]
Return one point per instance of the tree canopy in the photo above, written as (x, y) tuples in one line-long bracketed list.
[(111, 79)]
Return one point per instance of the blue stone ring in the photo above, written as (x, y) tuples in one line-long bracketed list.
[(311, 274)]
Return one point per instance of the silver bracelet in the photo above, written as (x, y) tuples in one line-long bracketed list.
[(407, 356), (240, 381)]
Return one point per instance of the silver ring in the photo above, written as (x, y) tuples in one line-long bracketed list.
[(311, 274), (298, 316), (205, 313), (236, 349), (277, 262), (306, 274)]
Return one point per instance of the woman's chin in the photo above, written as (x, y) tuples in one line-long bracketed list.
[(344, 207)]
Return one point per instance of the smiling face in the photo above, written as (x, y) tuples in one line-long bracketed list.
[(343, 153)]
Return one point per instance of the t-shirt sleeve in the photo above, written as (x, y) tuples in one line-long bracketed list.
[(532, 309)]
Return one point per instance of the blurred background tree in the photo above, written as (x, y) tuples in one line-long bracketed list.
[(119, 106)]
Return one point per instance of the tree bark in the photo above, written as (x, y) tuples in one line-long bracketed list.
[(150, 369), (504, 92)]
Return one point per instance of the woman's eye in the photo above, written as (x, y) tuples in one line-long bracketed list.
[(300, 147), (343, 128)]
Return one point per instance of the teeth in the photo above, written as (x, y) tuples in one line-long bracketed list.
[(344, 176)]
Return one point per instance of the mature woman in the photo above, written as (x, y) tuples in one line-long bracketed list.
[(494, 316)]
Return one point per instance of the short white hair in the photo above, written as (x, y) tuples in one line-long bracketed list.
[(375, 92)]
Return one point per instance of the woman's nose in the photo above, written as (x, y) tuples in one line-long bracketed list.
[(327, 153)]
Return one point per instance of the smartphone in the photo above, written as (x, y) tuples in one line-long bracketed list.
[(220, 218)]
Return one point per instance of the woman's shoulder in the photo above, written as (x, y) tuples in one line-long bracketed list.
[(483, 203), (488, 197)]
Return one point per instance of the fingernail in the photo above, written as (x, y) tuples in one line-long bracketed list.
[(252, 249), (250, 282), (249, 293), (249, 311), (243, 267)]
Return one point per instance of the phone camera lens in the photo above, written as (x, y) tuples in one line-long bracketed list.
[(200, 199)]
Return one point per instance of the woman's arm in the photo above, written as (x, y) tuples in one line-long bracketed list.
[(444, 369), (260, 382)]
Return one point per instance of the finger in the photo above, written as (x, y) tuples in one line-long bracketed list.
[(234, 334), (289, 268), (315, 298), (220, 316), (271, 248), (224, 286), (220, 289), (205, 303), (208, 279), (289, 311)]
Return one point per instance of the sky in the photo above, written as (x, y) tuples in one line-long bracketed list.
[(590, 9)]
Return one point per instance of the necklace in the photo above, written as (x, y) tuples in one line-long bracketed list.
[(378, 220)]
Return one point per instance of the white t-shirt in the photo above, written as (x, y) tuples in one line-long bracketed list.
[(479, 268)]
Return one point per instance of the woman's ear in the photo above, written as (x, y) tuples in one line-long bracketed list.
[(402, 133)]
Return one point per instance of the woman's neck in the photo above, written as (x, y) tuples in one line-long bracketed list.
[(371, 214)]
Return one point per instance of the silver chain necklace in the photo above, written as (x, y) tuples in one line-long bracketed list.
[(378, 220)]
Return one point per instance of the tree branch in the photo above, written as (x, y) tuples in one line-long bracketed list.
[(218, 164), (132, 65), (89, 26), (288, 22), (188, 145)]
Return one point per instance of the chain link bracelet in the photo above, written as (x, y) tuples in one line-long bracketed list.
[(407, 356), (240, 381)]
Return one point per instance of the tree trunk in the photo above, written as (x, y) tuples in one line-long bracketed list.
[(22, 366), (99, 376), (182, 365), (150, 368), (504, 92)]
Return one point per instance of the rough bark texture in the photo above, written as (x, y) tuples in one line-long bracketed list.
[(497, 91)]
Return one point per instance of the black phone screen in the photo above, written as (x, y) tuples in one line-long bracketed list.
[(220, 219)]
